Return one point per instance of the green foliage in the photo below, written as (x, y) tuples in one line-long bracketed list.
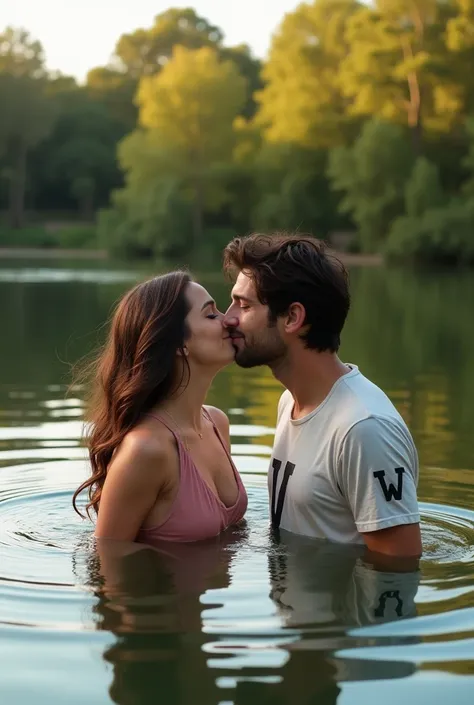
[(66, 236), (395, 68), (434, 228), (151, 215), (361, 119), (441, 235), (302, 101), (423, 189), (145, 52), (78, 159), (293, 192), (468, 161), (372, 174), (20, 54), (115, 90), (158, 223), (27, 116), (190, 107)]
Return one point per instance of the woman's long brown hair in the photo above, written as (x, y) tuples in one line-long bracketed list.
[(135, 371)]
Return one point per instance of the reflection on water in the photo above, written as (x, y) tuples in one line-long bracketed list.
[(249, 618)]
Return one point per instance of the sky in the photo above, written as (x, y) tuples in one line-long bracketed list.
[(77, 36)]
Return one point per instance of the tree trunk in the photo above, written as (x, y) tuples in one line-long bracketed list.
[(417, 138), (414, 102), (17, 185), (86, 207)]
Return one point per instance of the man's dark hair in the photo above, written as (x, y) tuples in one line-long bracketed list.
[(295, 268)]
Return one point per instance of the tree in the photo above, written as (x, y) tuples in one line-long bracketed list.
[(460, 42), (191, 106), (26, 117), (302, 102), (395, 68), (423, 189), (116, 91), (76, 164), (460, 27), (151, 215), (20, 54), (250, 68), (145, 52), (372, 175), (468, 162), (434, 228), (293, 190)]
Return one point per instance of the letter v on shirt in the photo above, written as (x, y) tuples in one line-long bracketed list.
[(348, 467)]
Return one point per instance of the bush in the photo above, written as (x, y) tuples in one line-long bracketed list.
[(34, 236), (77, 237), (74, 237), (371, 176), (156, 222), (443, 235)]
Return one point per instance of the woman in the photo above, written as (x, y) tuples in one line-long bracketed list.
[(161, 465)]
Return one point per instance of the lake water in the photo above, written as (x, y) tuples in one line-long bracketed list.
[(245, 620)]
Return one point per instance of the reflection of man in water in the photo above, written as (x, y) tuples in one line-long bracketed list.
[(321, 583), (326, 590)]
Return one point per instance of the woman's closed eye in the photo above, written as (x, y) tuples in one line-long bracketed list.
[(212, 315)]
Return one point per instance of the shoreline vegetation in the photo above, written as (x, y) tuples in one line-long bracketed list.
[(350, 259)]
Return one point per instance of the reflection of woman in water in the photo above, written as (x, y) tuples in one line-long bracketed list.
[(149, 598), (161, 465)]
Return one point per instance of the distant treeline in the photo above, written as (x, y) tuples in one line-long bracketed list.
[(359, 121)]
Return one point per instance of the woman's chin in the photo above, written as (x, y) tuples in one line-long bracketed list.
[(230, 358)]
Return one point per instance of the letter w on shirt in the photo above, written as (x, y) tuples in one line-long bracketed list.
[(391, 490)]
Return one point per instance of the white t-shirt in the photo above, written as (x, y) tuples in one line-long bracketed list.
[(348, 467)]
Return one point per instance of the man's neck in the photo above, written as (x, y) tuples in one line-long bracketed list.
[(309, 376)]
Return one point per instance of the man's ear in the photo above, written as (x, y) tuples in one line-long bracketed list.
[(295, 318)]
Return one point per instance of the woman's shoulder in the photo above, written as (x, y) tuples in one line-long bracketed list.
[(145, 447)]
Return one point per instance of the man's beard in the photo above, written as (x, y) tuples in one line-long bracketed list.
[(256, 355)]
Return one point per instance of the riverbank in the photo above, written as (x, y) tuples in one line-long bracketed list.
[(51, 253), (59, 253)]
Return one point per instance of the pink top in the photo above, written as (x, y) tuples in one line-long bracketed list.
[(196, 513)]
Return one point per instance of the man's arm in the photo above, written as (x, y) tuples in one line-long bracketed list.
[(402, 541), (377, 475)]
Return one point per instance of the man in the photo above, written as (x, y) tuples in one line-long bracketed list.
[(344, 466)]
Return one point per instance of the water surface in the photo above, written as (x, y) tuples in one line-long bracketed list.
[(246, 619)]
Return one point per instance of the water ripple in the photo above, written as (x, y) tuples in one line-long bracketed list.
[(258, 605)]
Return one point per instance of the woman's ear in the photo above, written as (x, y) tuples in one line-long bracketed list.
[(182, 351)]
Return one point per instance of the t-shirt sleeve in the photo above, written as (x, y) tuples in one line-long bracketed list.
[(378, 473)]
